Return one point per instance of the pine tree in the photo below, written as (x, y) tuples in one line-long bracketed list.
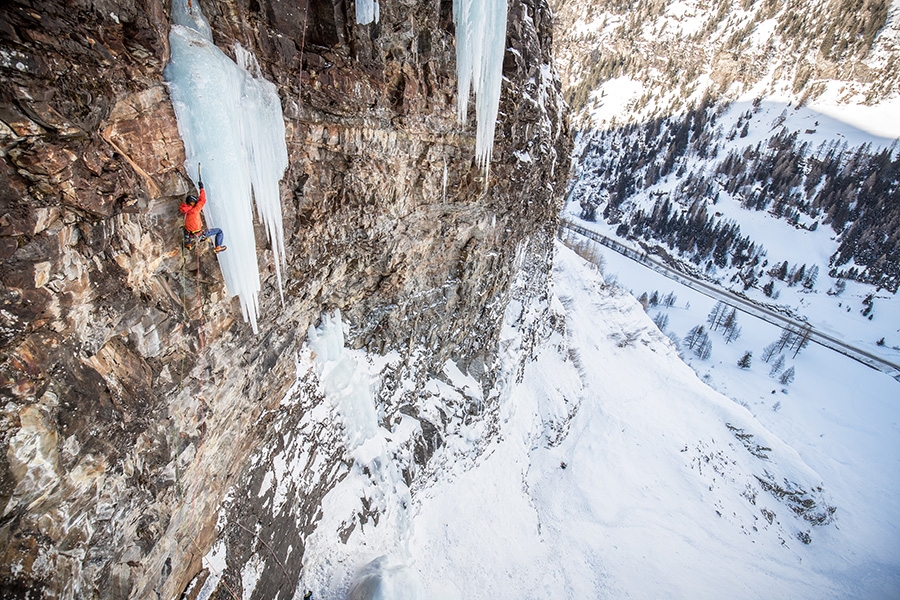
[(782, 271), (799, 275), (810, 280), (744, 362)]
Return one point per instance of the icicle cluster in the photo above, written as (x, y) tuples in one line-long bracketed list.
[(367, 11), (480, 44), (231, 122)]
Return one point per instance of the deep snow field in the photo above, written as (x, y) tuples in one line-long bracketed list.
[(839, 415), (610, 470)]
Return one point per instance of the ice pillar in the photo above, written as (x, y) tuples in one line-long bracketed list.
[(231, 122)]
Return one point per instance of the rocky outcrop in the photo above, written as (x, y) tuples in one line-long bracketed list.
[(133, 391)]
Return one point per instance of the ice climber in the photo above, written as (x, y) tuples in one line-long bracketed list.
[(193, 224)]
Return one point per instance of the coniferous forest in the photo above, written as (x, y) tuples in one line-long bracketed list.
[(853, 190)]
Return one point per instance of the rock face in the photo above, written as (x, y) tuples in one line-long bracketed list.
[(133, 391)]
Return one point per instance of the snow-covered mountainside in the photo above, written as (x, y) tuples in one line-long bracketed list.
[(601, 467), (677, 50), (437, 400), (752, 143)]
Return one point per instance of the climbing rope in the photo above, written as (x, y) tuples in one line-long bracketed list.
[(201, 347), (213, 568), (177, 440), (200, 336), (302, 48), (202, 365), (268, 547)]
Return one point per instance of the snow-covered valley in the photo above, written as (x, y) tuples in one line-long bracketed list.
[(834, 305), (608, 469), (429, 396), (723, 171)]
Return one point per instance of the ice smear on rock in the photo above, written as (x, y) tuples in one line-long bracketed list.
[(345, 383), (383, 579), (374, 486), (480, 44), (231, 121)]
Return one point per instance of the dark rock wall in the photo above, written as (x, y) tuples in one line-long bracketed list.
[(132, 390)]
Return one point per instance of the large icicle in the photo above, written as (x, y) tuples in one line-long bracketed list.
[(480, 45), (231, 121), (367, 11)]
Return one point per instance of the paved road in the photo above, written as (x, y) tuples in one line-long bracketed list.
[(738, 302)]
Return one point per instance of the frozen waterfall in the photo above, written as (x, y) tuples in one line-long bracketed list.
[(230, 119), (480, 45), (376, 473)]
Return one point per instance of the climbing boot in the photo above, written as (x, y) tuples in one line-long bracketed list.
[(220, 249)]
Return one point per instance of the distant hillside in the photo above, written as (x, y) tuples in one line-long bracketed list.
[(679, 50), (788, 108), (663, 181)]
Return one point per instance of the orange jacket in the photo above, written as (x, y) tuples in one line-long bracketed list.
[(192, 221)]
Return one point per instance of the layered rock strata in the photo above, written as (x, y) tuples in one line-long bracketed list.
[(133, 392)]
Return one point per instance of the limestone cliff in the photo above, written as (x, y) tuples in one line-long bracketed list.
[(133, 391)]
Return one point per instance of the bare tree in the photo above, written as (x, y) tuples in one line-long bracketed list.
[(661, 320), (732, 333), (769, 351), (787, 377), (704, 348), (802, 340), (715, 315), (777, 365), (694, 335)]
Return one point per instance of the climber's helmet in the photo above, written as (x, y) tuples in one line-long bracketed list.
[(191, 199)]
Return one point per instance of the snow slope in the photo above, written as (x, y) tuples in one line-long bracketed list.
[(839, 415), (606, 468)]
